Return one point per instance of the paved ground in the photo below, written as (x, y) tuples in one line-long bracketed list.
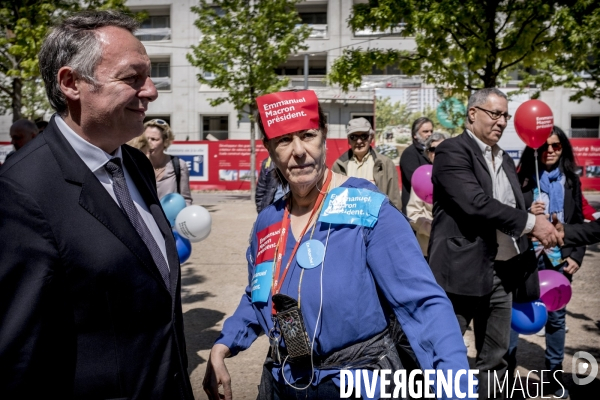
[(214, 277)]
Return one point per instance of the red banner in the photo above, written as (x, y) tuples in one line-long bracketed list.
[(587, 156), (225, 165)]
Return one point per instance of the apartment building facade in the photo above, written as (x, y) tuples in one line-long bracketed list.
[(169, 33)]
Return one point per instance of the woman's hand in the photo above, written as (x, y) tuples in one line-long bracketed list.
[(571, 266), (216, 374), (538, 208)]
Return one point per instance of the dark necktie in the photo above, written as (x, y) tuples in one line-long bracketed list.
[(113, 166)]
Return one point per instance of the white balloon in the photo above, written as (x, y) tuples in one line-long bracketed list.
[(193, 223)]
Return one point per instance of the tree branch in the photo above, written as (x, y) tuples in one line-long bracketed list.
[(521, 30)]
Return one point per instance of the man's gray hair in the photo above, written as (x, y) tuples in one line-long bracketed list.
[(480, 97), (435, 136), (74, 43)]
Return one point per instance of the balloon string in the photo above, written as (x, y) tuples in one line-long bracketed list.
[(537, 174)]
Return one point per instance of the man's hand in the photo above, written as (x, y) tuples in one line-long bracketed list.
[(545, 232), (571, 266), (216, 374)]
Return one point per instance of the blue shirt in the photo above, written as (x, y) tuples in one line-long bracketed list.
[(358, 261)]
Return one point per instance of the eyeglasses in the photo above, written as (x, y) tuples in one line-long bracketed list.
[(431, 149), (555, 146), (364, 137), (495, 115), (157, 122)]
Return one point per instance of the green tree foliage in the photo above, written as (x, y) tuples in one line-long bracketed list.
[(463, 44), (390, 114), (23, 26), (242, 43), (578, 65)]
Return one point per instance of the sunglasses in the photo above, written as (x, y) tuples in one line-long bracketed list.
[(495, 115), (555, 146), (431, 149), (364, 137), (158, 122)]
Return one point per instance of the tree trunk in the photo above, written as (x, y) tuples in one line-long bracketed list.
[(252, 155), (17, 94)]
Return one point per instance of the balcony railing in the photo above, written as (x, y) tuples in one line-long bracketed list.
[(153, 34), (584, 133), (313, 81), (219, 135), (162, 83), (319, 31), (395, 31)]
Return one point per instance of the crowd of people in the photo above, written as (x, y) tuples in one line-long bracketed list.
[(339, 277)]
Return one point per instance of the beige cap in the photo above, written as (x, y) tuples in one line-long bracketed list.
[(358, 125)]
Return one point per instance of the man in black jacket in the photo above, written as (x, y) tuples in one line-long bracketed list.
[(480, 224), (413, 157), (579, 234), (90, 286)]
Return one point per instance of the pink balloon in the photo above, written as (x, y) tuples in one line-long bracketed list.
[(555, 289), (421, 183)]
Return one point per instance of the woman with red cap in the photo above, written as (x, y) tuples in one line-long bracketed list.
[(332, 266)]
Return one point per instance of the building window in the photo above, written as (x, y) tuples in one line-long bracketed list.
[(317, 65), (161, 75), (315, 16), (311, 18), (585, 126), (215, 127), (388, 70), (156, 27)]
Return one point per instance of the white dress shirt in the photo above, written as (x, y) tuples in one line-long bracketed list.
[(95, 158), (503, 192)]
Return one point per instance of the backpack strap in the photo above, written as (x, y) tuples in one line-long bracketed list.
[(177, 168)]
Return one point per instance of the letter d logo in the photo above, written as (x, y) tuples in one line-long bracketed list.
[(584, 362)]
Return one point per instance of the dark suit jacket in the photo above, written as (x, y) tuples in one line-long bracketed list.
[(573, 213), (411, 159), (582, 234), (463, 243), (84, 312)]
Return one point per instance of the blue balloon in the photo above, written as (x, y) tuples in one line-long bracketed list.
[(172, 204), (184, 247), (528, 318)]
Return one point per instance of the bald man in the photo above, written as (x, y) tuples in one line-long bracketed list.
[(22, 132)]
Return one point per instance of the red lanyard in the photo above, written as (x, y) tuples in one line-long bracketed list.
[(280, 250)]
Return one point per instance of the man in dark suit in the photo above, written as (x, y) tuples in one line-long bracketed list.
[(479, 224), (580, 234), (90, 303)]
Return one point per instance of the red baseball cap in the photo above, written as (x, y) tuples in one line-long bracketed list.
[(286, 112)]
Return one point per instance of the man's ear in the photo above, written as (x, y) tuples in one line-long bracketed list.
[(471, 115), (68, 82)]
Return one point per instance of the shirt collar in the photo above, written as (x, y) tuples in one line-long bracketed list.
[(497, 151), (365, 158), (94, 157)]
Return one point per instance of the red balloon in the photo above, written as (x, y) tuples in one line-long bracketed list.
[(534, 122)]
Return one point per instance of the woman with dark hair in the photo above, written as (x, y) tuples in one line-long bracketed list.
[(413, 157), (561, 195), (328, 266)]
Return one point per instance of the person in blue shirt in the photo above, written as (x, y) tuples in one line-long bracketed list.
[(341, 263)]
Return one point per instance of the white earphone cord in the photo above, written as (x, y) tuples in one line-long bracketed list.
[(312, 345)]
